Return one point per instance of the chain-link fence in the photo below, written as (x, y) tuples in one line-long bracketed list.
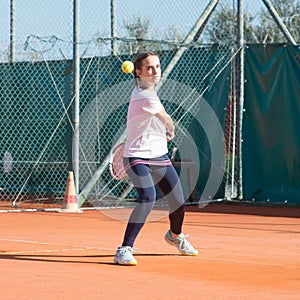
[(199, 43)]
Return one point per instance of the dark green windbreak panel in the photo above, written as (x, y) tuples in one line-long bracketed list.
[(271, 128)]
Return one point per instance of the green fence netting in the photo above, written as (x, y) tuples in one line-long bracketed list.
[(36, 127), (271, 136)]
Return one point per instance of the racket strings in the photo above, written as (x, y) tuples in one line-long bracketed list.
[(117, 168)]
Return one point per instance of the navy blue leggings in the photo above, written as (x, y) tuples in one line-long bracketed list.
[(144, 178)]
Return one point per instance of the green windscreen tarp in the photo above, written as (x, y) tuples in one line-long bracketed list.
[(271, 126)]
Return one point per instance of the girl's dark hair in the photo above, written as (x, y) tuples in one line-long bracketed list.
[(138, 60)]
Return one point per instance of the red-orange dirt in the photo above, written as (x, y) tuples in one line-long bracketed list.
[(48, 255)]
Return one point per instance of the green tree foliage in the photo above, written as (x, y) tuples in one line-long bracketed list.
[(140, 39), (138, 32), (223, 26), (266, 28)]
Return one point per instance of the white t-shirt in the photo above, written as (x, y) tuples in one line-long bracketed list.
[(146, 134)]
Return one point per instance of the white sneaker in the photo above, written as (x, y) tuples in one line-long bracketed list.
[(124, 256), (184, 247)]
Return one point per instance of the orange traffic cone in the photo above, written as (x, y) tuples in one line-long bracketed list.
[(70, 203)]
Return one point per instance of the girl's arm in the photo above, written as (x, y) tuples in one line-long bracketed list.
[(168, 122)]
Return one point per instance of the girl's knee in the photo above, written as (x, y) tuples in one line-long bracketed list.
[(147, 198)]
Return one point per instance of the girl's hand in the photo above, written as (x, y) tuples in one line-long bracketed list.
[(170, 135)]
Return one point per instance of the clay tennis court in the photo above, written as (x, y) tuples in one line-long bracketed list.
[(244, 253)]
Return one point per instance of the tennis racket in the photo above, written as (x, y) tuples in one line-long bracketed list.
[(116, 165)]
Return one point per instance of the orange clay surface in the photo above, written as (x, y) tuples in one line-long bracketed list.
[(244, 253)]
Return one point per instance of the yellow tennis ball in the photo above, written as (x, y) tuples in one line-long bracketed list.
[(127, 67)]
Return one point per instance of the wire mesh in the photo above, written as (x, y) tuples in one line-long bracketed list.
[(36, 49)]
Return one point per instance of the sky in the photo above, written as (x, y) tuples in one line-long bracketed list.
[(54, 18)]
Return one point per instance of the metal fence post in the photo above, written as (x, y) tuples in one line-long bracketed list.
[(76, 90)]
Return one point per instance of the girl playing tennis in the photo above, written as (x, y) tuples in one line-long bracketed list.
[(149, 128)]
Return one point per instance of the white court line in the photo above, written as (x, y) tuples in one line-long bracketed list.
[(25, 253), (233, 261), (25, 241), (72, 247), (29, 210), (84, 248)]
